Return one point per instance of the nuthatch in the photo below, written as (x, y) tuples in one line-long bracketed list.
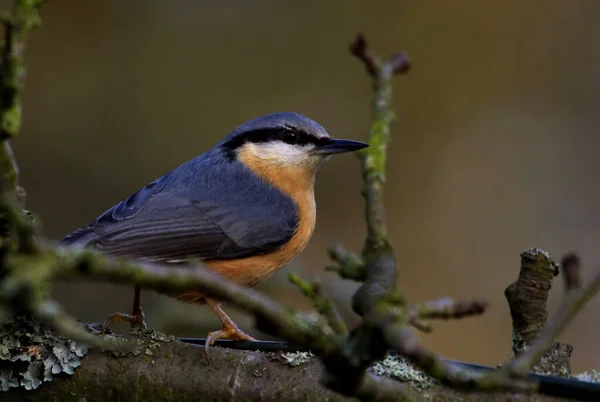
[(244, 208)]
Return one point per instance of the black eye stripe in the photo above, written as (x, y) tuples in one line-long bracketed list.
[(288, 135)]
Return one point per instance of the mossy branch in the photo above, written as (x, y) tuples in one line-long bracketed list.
[(373, 158), (349, 265), (385, 316), (18, 24)]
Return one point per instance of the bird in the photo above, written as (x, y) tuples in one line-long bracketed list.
[(244, 208)]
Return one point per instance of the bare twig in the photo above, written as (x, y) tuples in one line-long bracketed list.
[(444, 309), (399, 63), (421, 324), (361, 50)]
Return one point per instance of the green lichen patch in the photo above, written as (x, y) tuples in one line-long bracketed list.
[(401, 369), (31, 354)]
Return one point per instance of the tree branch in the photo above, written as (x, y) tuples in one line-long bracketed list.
[(173, 371), (148, 373), (17, 27), (421, 314), (575, 299)]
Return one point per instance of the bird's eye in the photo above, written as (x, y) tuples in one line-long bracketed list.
[(290, 137)]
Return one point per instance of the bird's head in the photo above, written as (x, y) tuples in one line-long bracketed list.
[(285, 140)]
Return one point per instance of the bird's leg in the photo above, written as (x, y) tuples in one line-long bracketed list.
[(135, 319), (229, 330)]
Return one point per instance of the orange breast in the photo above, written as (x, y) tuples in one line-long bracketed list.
[(296, 183)]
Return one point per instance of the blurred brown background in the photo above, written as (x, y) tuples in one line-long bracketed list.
[(494, 151)]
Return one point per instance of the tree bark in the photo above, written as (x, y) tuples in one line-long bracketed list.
[(175, 371)]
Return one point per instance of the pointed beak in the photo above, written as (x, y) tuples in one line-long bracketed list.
[(340, 146)]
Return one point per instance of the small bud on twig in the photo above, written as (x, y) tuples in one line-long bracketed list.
[(571, 267), (360, 48)]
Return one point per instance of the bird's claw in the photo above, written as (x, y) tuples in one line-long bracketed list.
[(135, 320), (228, 331)]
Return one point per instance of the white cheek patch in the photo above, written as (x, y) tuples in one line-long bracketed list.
[(283, 153)]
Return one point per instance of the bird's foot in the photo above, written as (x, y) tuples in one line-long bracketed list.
[(135, 320), (228, 331)]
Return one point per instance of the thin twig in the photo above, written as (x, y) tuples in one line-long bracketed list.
[(322, 304), (361, 50), (420, 315), (373, 159), (350, 266), (447, 309)]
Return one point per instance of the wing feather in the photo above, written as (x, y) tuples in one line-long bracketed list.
[(168, 220)]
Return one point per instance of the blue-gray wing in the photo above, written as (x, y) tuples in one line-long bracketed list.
[(212, 219)]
